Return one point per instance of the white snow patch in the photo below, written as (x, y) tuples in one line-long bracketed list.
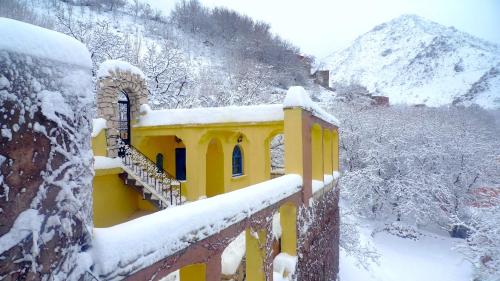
[(53, 103), (122, 249), (117, 65), (6, 133), (4, 82), (103, 162), (98, 125), (284, 265), (276, 226), (39, 42), (210, 115), (297, 96), (28, 222), (233, 254), (2, 159)]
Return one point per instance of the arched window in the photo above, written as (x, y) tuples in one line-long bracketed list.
[(237, 161)]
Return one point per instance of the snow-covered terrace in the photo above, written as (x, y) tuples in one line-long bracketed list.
[(123, 249), (211, 115), (296, 97)]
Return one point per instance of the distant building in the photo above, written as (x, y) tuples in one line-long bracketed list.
[(380, 101), (322, 78)]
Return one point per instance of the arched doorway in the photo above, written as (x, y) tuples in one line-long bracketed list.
[(214, 168), (124, 117), (159, 162)]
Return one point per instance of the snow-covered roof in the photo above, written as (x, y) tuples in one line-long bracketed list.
[(210, 115), (28, 39), (98, 125), (298, 97), (117, 65), (123, 248)]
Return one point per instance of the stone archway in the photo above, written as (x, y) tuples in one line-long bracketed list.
[(114, 80)]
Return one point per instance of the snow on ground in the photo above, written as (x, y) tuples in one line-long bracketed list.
[(430, 258)]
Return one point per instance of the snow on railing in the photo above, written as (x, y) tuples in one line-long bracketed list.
[(123, 249), (156, 180)]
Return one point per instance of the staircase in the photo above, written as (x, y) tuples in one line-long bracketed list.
[(156, 185)]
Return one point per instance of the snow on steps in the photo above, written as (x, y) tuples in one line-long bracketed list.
[(120, 250)]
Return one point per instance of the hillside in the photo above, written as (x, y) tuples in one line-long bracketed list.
[(416, 61), (191, 55)]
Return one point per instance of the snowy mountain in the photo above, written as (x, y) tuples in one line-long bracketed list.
[(416, 61)]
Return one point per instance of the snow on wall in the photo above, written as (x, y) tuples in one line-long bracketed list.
[(233, 254), (210, 115), (117, 65), (46, 160), (297, 96), (122, 249), (32, 40), (98, 125), (102, 162)]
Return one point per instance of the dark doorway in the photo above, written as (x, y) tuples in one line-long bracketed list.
[(180, 163), (159, 162), (124, 117)]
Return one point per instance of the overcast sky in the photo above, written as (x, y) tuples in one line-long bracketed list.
[(320, 27)]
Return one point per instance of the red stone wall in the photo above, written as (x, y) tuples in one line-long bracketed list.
[(45, 171), (318, 245)]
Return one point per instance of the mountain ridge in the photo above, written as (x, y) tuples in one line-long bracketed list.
[(413, 60)]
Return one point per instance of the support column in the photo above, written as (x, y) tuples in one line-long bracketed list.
[(288, 221), (317, 152), (327, 152), (335, 150), (214, 269), (195, 170), (297, 134), (255, 254)]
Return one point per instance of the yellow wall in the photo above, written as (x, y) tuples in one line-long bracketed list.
[(288, 221), (114, 202), (254, 142), (293, 141), (193, 272), (99, 144), (255, 253), (214, 168), (317, 152), (335, 152), (327, 151)]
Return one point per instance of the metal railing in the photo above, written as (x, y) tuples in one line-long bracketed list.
[(159, 182)]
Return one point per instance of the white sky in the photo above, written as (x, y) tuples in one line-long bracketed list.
[(320, 27)]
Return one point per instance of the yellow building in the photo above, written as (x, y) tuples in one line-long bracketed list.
[(146, 160)]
